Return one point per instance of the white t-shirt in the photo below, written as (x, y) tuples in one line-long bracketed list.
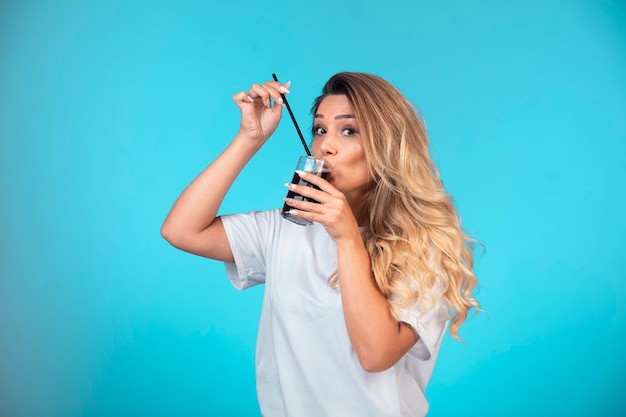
[(305, 363)]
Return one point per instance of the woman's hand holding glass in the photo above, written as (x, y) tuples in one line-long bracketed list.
[(332, 211)]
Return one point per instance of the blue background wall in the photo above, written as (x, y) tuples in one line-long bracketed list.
[(108, 109)]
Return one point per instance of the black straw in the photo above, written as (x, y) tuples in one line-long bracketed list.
[(306, 148)]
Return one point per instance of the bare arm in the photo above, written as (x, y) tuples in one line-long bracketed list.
[(377, 337), (192, 224)]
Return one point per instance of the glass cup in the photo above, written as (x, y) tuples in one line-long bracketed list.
[(306, 164)]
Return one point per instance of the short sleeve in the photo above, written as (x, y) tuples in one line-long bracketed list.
[(430, 325), (248, 235)]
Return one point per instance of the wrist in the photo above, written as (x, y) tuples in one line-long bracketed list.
[(351, 240), (245, 141)]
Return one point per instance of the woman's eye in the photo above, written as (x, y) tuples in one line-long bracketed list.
[(319, 130), (348, 131)]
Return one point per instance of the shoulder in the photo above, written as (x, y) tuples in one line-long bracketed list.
[(259, 218)]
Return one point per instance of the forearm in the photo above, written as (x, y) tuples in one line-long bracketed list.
[(196, 208), (378, 338)]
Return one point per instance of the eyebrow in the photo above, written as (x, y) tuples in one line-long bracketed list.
[(339, 116)]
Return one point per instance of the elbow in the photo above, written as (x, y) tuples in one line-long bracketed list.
[(169, 233), (373, 361)]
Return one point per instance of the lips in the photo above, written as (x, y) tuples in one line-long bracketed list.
[(328, 171)]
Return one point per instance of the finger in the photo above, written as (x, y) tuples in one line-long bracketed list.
[(308, 215), (265, 93), (305, 205), (281, 88), (310, 192), (318, 181), (277, 90), (242, 97), (258, 92)]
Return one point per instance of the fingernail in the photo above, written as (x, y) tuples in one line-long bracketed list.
[(284, 90), (250, 99), (300, 173), (290, 186), (293, 212), (280, 101)]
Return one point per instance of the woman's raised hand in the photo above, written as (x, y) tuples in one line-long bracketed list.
[(259, 116)]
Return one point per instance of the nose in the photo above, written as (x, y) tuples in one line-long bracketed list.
[(328, 145)]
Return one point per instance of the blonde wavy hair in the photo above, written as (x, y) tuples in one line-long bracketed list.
[(417, 247)]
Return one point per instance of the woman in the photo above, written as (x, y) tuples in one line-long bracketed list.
[(356, 305)]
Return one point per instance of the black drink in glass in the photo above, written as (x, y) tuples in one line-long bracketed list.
[(306, 164)]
